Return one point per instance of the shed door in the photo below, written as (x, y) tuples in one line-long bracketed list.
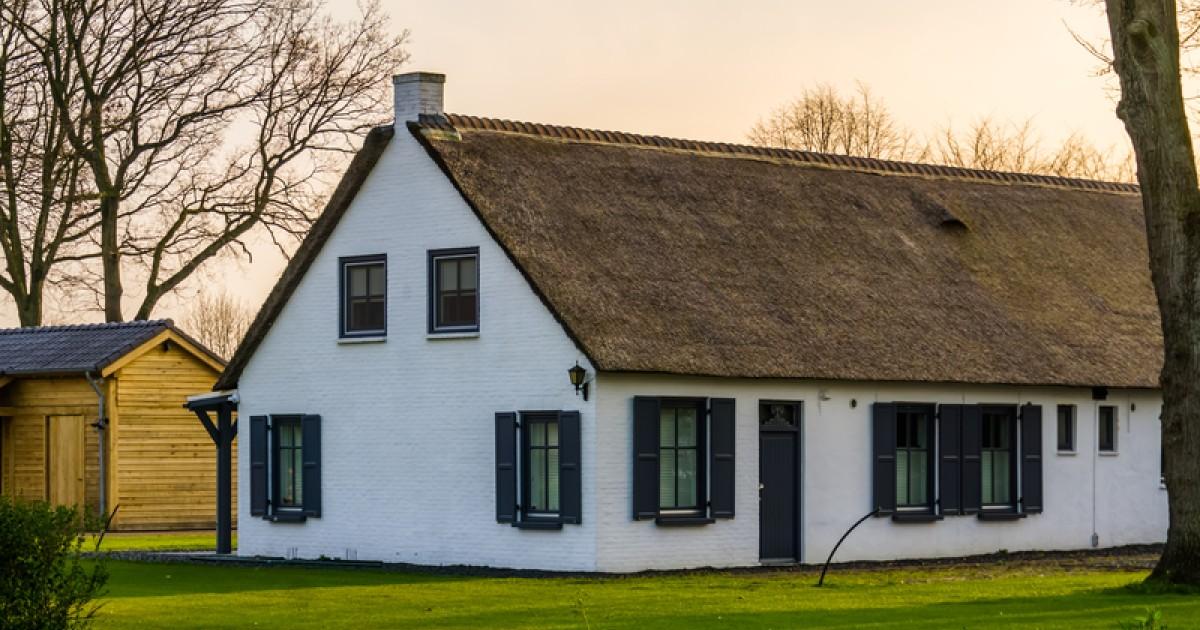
[(65, 458)]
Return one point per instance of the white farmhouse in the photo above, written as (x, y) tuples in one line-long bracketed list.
[(771, 344)]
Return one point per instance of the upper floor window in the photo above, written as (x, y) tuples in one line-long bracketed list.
[(1108, 429), (364, 296), (454, 290)]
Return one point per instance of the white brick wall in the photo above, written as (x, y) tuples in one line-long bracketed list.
[(1130, 507), (408, 458), (408, 434)]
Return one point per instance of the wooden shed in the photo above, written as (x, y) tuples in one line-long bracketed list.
[(93, 415)]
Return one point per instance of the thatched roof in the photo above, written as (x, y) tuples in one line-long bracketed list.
[(695, 258)]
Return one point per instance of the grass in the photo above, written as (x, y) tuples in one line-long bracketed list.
[(156, 541), (994, 596)]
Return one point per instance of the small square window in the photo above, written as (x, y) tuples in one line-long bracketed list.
[(1066, 428), (454, 290), (364, 296), (1108, 429)]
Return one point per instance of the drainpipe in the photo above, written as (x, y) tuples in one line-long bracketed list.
[(101, 425)]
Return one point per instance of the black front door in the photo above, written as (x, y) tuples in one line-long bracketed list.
[(779, 481)]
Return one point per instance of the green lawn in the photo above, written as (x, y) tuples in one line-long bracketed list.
[(998, 595), (156, 541)]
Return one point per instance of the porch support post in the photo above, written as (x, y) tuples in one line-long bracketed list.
[(225, 434)]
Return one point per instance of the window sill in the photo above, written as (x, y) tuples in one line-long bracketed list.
[(363, 339), (1068, 453), (287, 517), (683, 521), (547, 524), (1107, 453), (1000, 516), (453, 334), (915, 517)]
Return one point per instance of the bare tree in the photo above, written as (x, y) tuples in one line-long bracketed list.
[(1146, 57), (824, 121), (992, 146), (46, 212), (219, 321), (200, 121)]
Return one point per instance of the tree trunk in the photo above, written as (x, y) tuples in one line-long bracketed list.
[(110, 255), (29, 310), (1145, 38)]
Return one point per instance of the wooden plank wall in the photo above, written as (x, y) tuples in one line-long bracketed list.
[(166, 461), (25, 436)]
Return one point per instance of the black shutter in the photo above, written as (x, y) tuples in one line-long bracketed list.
[(1031, 459), (645, 457), (570, 491), (310, 453), (884, 440), (258, 465), (950, 464), (972, 462), (506, 467), (721, 443)]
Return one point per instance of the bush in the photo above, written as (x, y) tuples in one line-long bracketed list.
[(43, 583)]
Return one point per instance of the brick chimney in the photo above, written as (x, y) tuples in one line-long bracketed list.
[(417, 93)]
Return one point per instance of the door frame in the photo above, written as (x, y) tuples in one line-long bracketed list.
[(798, 462)]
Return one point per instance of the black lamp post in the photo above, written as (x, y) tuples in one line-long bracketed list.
[(578, 375)]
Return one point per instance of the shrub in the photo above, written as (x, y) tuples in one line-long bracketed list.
[(43, 583)]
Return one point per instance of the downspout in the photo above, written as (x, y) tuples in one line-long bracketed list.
[(101, 425)]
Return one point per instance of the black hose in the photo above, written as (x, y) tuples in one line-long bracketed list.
[(821, 581)]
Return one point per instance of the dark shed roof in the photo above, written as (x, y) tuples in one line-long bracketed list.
[(682, 257), (74, 349)]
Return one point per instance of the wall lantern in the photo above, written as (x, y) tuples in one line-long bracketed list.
[(578, 378)]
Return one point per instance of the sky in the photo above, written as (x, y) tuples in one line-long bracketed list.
[(708, 70)]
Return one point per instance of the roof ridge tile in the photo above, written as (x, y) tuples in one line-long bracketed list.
[(455, 122)]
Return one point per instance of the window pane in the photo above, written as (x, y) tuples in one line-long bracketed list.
[(918, 477), (687, 426), (901, 477), (358, 280), (552, 433), (988, 486), (666, 478), (919, 432), (366, 314), (537, 479), (297, 475), (448, 271), (552, 477), (1066, 440), (666, 427), (375, 277), (466, 273), (537, 433), (1108, 429), (1000, 470), (686, 492)]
